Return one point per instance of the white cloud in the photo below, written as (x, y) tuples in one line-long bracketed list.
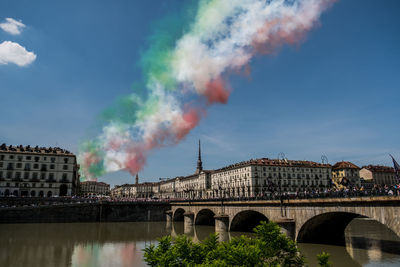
[(11, 52), (12, 26)]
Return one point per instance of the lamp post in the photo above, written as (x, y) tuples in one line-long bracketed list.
[(222, 199)]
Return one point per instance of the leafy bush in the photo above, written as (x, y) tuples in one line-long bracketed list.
[(269, 248), (323, 260)]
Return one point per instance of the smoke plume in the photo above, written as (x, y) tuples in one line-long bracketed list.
[(185, 72)]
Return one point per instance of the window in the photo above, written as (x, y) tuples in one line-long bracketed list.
[(42, 175), (36, 166), (64, 176), (52, 166), (44, 158), (28, 157), (37, 159), (44, 167), (17, 175), (1, 157), (9, 175), (1, 164), (53, 160), (65, 160), (19, 165), (51, 176), (11, 157), (19, 158), (35, 175), (26, 175), (27, 166)]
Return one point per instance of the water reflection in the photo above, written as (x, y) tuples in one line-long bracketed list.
[(370, 242), (121, 244)]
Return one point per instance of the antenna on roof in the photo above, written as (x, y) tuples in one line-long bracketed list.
[(281, 156), (324, 159)]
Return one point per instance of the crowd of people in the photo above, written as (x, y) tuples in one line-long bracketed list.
[(334, 192)]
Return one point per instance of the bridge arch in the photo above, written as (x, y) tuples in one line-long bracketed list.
[(205, 217), (326, 228), (246, 220), (178, 215)]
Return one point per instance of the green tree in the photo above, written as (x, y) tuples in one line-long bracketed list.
[(269, 247)]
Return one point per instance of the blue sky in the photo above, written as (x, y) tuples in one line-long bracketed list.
[(337, 93)]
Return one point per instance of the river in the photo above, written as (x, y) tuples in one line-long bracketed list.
[(368, 243)]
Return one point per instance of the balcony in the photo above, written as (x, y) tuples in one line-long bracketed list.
[(64, 180), (51, 180), (34, 180), (10, 168), (17, 180)]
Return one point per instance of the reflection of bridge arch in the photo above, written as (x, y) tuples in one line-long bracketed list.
[(326, 228), (205, 217), (178, 215), (246, 220)]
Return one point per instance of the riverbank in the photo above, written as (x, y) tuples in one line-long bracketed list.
[(86, 212)]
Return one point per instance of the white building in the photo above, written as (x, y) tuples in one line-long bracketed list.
[(93, 188), (37, 171), (379, 175), (256, 177)]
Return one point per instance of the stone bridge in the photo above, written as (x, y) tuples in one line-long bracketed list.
[(305, 220)]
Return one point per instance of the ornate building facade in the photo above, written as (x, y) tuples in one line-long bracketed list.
[(255, 177), (37, 171), (93, 188)]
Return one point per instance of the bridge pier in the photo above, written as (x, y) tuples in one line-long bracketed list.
[(188, 221), (222, 227), (288, 227), (168, 217)]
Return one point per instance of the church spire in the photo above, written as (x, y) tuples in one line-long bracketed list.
[(199, 163), (137, 178)]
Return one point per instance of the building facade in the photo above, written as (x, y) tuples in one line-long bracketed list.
[(37, 171), (252, 178), (93, 188), (345, 173), (379, 175)]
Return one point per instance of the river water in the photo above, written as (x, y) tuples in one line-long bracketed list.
[(368, 243)]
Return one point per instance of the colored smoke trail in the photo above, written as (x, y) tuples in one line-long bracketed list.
[(184, 73)]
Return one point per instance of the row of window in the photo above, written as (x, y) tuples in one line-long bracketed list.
[(27, 166), (27, 185), (35, 175), (35, 158), (292, 169)]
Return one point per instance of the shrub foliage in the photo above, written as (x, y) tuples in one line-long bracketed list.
[(269, 247)]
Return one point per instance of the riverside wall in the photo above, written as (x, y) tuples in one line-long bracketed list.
[(86, 212)]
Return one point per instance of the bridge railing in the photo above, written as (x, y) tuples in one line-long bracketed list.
[(304, 195)]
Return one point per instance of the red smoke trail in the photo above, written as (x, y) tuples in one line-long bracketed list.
[(217, 91)]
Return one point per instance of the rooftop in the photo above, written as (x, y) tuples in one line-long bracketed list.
[(344, 165), (275, 162), (36, 149), (379, 168)]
